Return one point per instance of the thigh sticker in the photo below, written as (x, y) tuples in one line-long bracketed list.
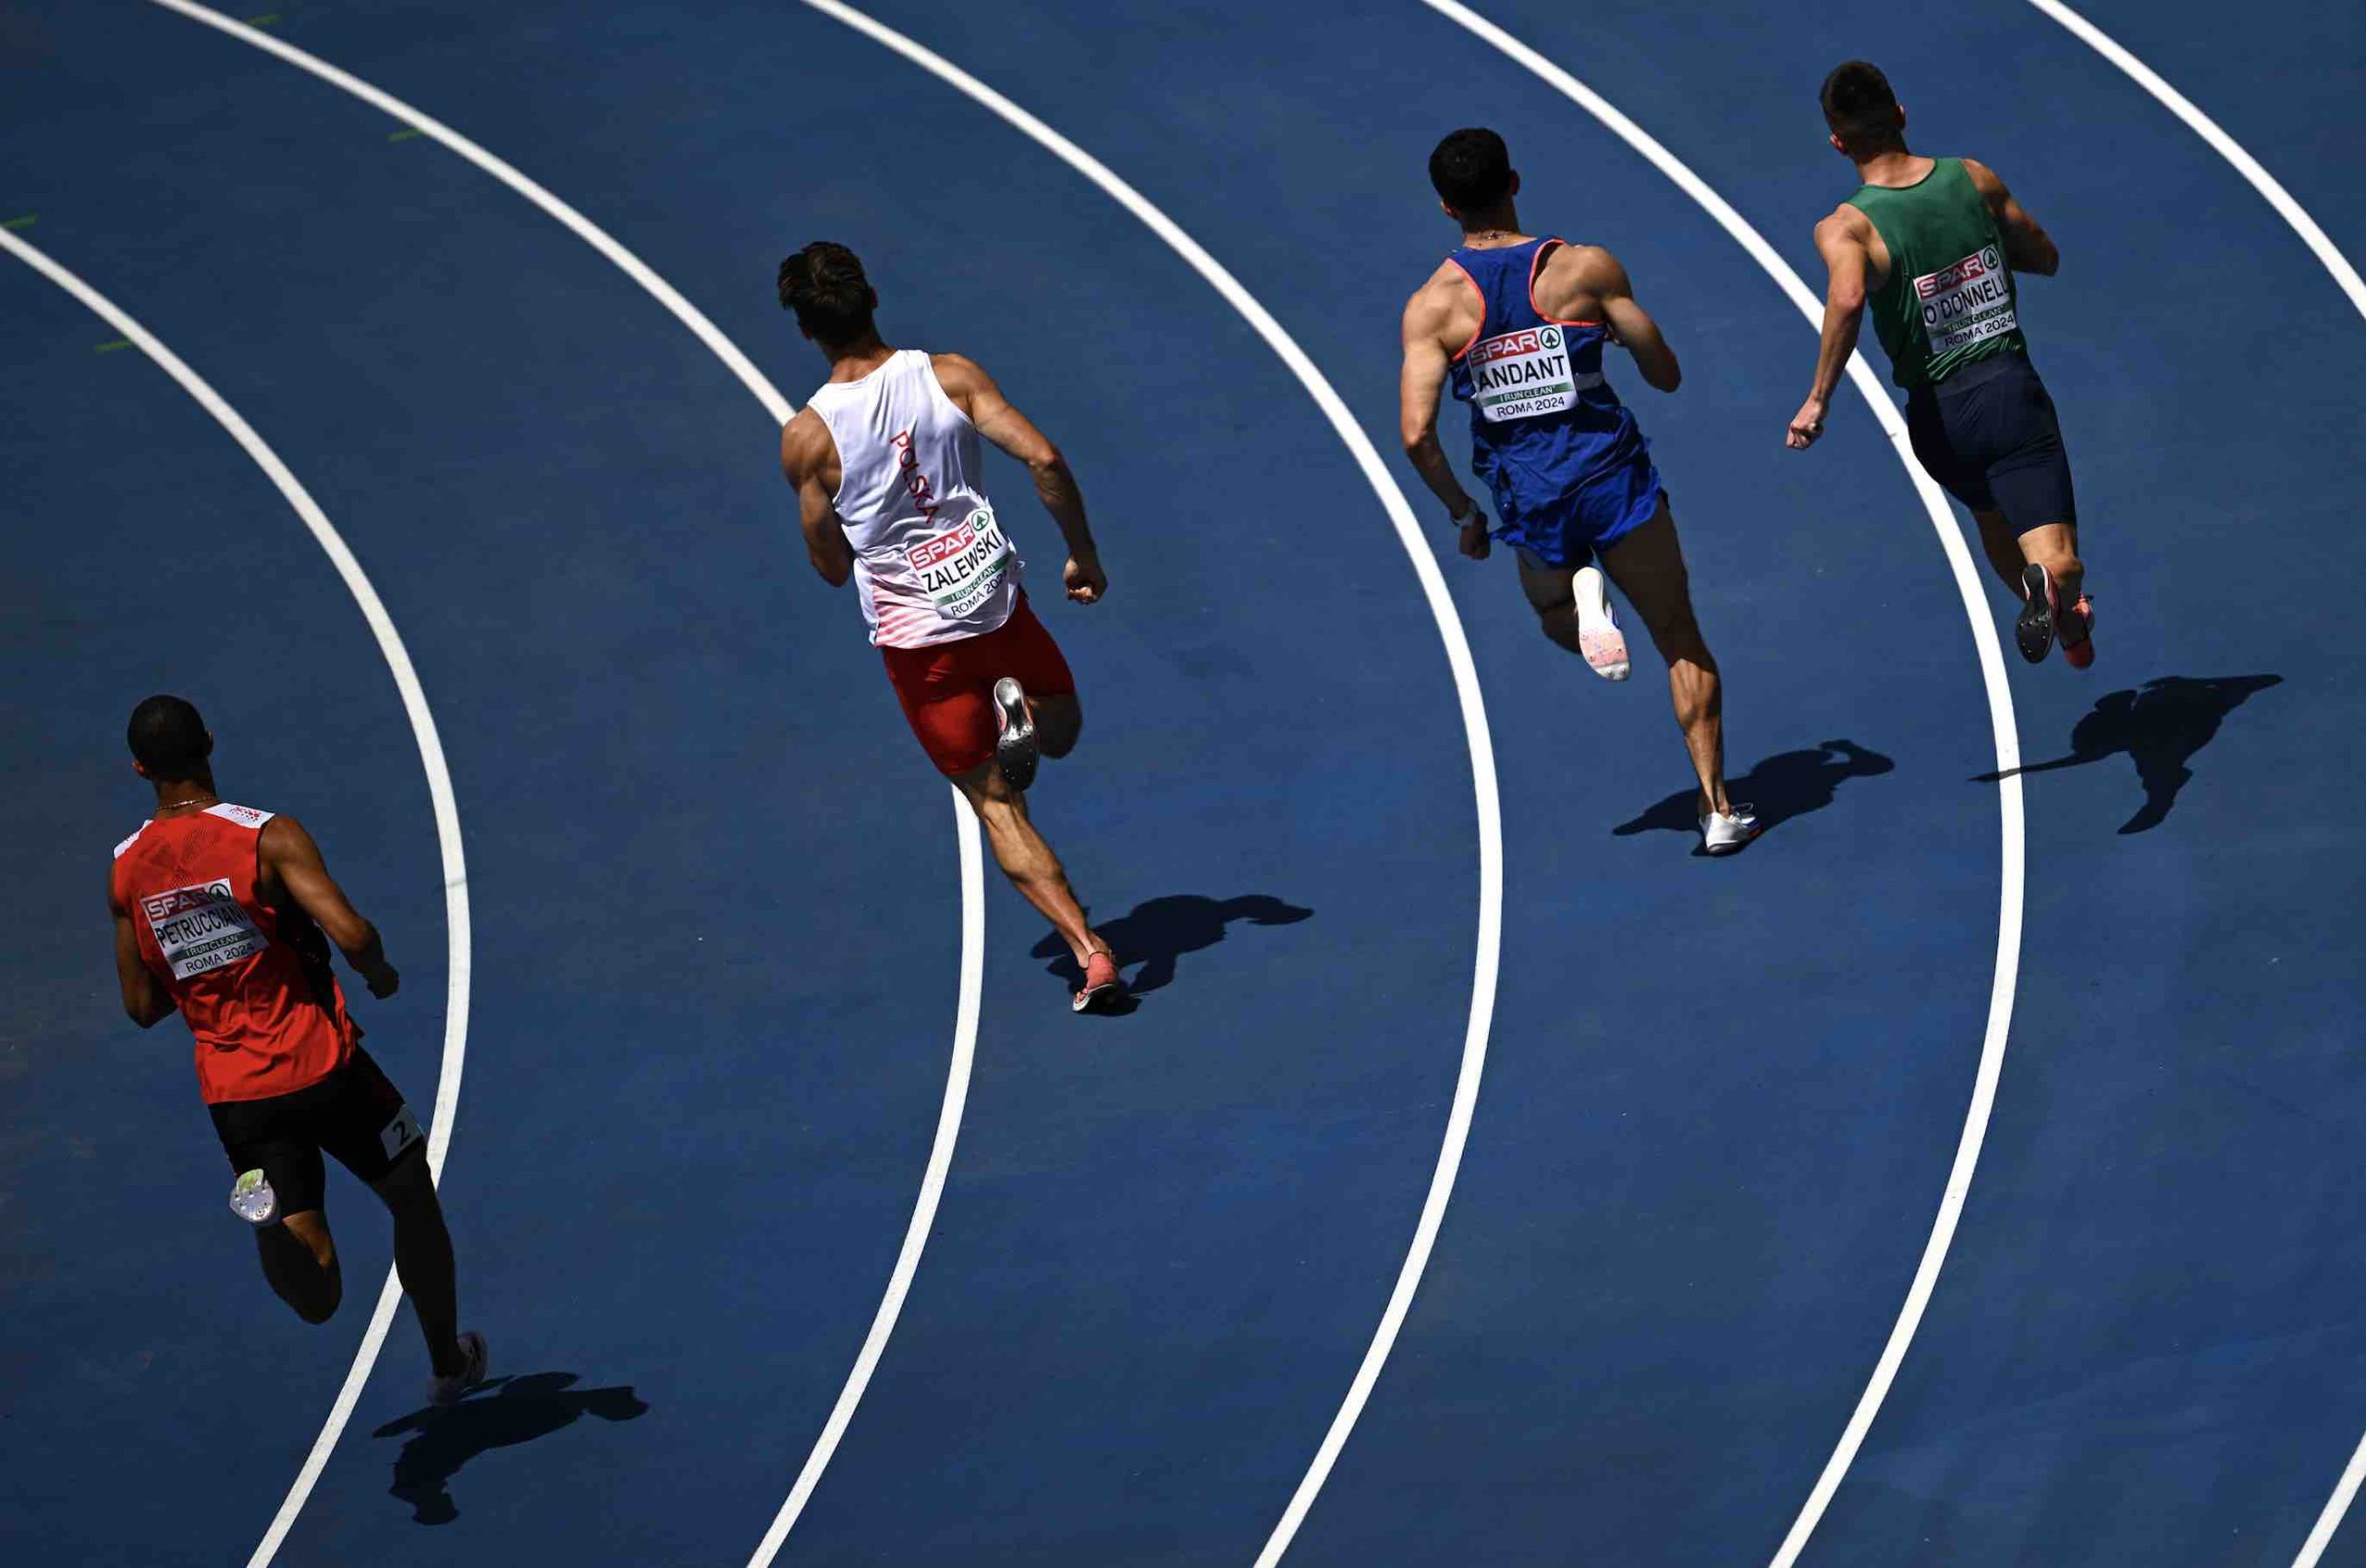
[(400, 1132)]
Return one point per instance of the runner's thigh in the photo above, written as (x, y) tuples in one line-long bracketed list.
[(274, 1135), (365, 1123), (1648, 566), (1547, 586)]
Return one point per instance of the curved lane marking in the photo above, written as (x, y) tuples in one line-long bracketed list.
[(1466, 685), (2000, 715), (439, 790), (2345, 278), (582, 228), (970, 850)]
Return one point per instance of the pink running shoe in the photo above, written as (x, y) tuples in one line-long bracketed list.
[(2077, 633), (1101, 985), (1599, 638)]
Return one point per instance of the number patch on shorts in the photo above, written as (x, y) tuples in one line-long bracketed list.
[(400, 1132)]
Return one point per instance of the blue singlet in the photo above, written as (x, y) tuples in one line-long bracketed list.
[(1570, 472)]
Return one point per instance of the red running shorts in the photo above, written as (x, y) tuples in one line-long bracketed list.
[(947, 689)]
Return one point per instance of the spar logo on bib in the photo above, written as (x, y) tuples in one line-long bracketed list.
[(202, 928), (1514, 375), (1967, 302), (960, 569)]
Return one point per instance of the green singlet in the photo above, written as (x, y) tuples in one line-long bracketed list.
[(1949, 299)]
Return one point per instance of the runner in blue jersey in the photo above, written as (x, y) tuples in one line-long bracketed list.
[(1516, 325)]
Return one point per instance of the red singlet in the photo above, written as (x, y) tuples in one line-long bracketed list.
[(254, 985)]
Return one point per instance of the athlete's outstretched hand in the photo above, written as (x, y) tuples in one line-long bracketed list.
[(384, 981), (1806, 425), (1474, 538), (1087, 583)]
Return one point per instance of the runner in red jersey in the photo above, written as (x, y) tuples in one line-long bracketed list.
[(890, 487), (224, 915)]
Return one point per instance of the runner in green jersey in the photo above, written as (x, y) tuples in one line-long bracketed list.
[(1933, 245)]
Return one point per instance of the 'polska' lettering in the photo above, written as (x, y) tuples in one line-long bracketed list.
[(916, 483)]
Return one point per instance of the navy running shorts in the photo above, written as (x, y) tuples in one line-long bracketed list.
[(1988, 434)]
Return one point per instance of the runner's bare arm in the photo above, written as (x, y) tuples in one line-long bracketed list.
[(290, 859), (2027, 244), (1427, 319), (808, 459), (975, 394), (146, 1000), (1631, 327), (1843, 248)]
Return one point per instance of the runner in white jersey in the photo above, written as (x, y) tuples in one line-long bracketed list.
[(889, 480)]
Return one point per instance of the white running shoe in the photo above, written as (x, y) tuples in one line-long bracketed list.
[(1722, 833), (1014, 745), (1598, 635), (448, 1391), (252, 1200)]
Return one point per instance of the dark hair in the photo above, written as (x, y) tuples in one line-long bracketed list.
[(824, 284), (1472, 170), (168, 738), (1857, 103)]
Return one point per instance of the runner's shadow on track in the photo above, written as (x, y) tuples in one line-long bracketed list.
[(498, 1414), (1788, 784), (1161, 930), (2160, 728)]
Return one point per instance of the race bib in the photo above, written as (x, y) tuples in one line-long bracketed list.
[(1516, 374), (961, 568), (1968, 302), (202, 929)]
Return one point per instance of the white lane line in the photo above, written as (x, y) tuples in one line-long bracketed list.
[(1466, 685), (2345, 276), (2000, 715), (970, 848), (439, 790), (583, 228), (957, 1090), (2335, 1506)]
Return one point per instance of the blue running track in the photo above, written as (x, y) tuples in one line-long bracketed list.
[(716, 897)]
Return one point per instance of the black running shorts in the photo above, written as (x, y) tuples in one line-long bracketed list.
[(355, 1113), (1988, 434)]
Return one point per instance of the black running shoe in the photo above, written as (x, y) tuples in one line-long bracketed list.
[(2034, 630), (1015, 746), (474, 1364)]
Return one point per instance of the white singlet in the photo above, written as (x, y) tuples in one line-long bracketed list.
[(932, 563)]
